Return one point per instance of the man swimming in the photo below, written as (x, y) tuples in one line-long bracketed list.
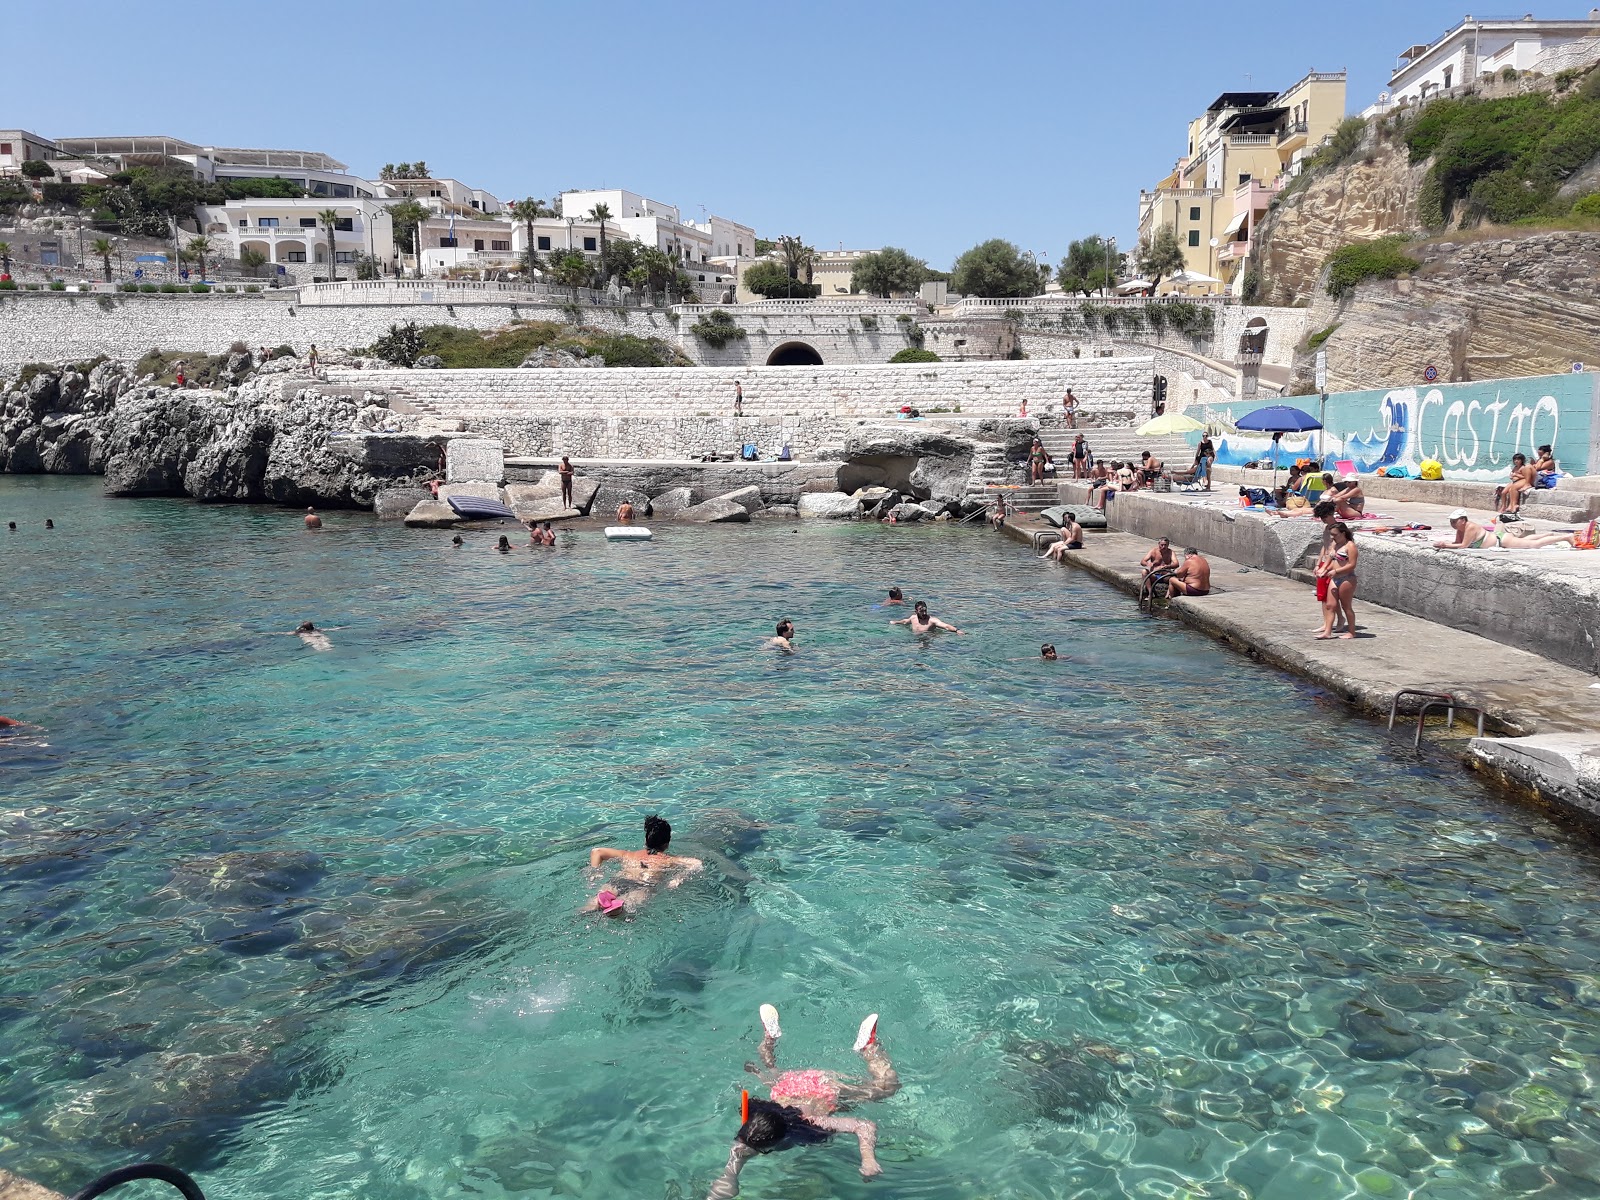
[(895, 596), (312, 520), (785, 637), (801, 1110), (312, 636), (645, 870), (921, 622)]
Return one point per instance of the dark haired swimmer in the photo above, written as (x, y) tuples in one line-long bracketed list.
[(1047, 652), (801, 1110), (921, 622), (312, 636), (645, 870), (785, 637), (895, 597)]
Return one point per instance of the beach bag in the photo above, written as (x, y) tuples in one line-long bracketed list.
[(1398, 473), (1430, 468)]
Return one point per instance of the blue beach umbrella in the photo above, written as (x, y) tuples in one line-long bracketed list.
[(1278, 419)]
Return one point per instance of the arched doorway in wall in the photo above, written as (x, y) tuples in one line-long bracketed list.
[(794, 354)]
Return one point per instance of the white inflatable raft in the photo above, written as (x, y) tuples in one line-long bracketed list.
[(627, 533)]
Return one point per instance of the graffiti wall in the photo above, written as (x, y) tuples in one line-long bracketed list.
[(1473, 429)]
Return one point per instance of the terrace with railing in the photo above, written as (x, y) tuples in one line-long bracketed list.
[(458, 291)]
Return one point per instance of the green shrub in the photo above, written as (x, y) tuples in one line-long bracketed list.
[(1196, 320), (1342, 144), (58, 286), (1503, 160), (127, 287), (149, 287), (905, 318), (1566, 78), (8, 285), (199, 288), (251, 287), (230, 289), (106, 303), (870, 322), (1589, 89), (1587, 206), (1381, 258), (1508, 74), (170, 289), (33, 287), (31, 371), (911, 354), (402, 345), (285, 351), (1250, 289), (1315, 341), (717, 328), (1156, 315), (1014, 315)]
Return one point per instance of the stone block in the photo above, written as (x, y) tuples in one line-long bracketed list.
[(749, 498), (718, 510), (544, 508), (432, 514), (484, 491), (671, 502), (474, 460), (829, 506), (393, 504)]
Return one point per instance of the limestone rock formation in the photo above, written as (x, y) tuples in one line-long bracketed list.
[(717, 510), (671, 502), (829, 506), (1372, 195)]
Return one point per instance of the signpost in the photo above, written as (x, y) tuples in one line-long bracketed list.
[(1577, 368), (1322, 389), (1430, 373)]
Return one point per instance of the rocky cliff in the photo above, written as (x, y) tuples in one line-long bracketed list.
[(1372, 194), (267, 440), (1476, 309)]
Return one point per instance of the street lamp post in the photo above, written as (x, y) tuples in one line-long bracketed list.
[(1106, 281)]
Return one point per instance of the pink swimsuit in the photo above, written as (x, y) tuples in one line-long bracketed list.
[(807, 1087)]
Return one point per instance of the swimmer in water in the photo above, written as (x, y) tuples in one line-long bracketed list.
[(640, 872), (625, 513), (49, 524), (895, 597), (921, 622), (801, 1111), (312, 520), (785, 637), (1048, 652), (312, 636), (456, 541), (12, 525), (503, 545)]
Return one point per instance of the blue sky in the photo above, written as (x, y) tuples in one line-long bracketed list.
[(930, 125)]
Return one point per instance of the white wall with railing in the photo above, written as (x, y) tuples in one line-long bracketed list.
[(456, 291)]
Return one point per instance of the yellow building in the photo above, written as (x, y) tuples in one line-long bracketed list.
[(1240, 151)]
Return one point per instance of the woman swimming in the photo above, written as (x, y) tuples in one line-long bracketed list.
[(801, 1110)]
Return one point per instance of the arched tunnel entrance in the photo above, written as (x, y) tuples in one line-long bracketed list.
[(794, 354)]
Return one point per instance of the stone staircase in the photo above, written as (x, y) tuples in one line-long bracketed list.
[(990, 466), (1115, 445)]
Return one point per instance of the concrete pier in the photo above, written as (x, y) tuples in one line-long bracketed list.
[(1545, 717)]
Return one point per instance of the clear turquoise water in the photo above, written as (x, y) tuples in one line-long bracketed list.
[(1155, 922)]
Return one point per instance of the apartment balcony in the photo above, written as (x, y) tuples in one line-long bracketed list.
[(1250, 139), (1292, 136), (1253, 196), (1233, 252)]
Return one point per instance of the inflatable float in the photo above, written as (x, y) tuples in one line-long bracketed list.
[(627, 533)]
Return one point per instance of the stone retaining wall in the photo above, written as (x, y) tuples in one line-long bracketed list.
[(975, 389), (663, 438), (58, 328)]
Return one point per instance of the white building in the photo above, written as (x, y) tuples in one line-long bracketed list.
[(1478, 48), (318, 173), (474, 243), (293, 239), (18, 146), (444, 196)]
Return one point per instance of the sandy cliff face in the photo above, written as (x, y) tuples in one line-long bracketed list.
[(1373, 194), (1478, 309)]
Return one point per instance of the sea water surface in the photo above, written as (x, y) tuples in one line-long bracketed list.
[(1150, 922)]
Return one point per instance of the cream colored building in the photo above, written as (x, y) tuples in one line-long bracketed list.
[(1240, 151)]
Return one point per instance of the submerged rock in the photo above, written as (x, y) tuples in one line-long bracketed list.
[(717, 510)]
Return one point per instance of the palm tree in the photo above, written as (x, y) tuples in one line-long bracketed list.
[(5, 258), (102, 247), (251, 259), (198, 248), (330, 218), (602, 214), (528, 211)]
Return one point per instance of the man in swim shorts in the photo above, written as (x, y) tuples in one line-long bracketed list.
[(1071, 539), (803, 1103), (640, 872), (1193, 578), (921, 622)]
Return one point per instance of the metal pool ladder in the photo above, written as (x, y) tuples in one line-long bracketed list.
[(1431, 700), (111, 1179)]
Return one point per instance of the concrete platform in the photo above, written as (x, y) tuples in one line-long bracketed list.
[(1544, 601), (780, 482), (1545, 717), (1577, 498)]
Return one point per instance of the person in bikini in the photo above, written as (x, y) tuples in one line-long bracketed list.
[(639, 872), (921, 622), (1508, 497), (1472, 536), (801, 1110)]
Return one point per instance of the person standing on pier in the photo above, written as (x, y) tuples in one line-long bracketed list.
[(565, 471), (738, 398)]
